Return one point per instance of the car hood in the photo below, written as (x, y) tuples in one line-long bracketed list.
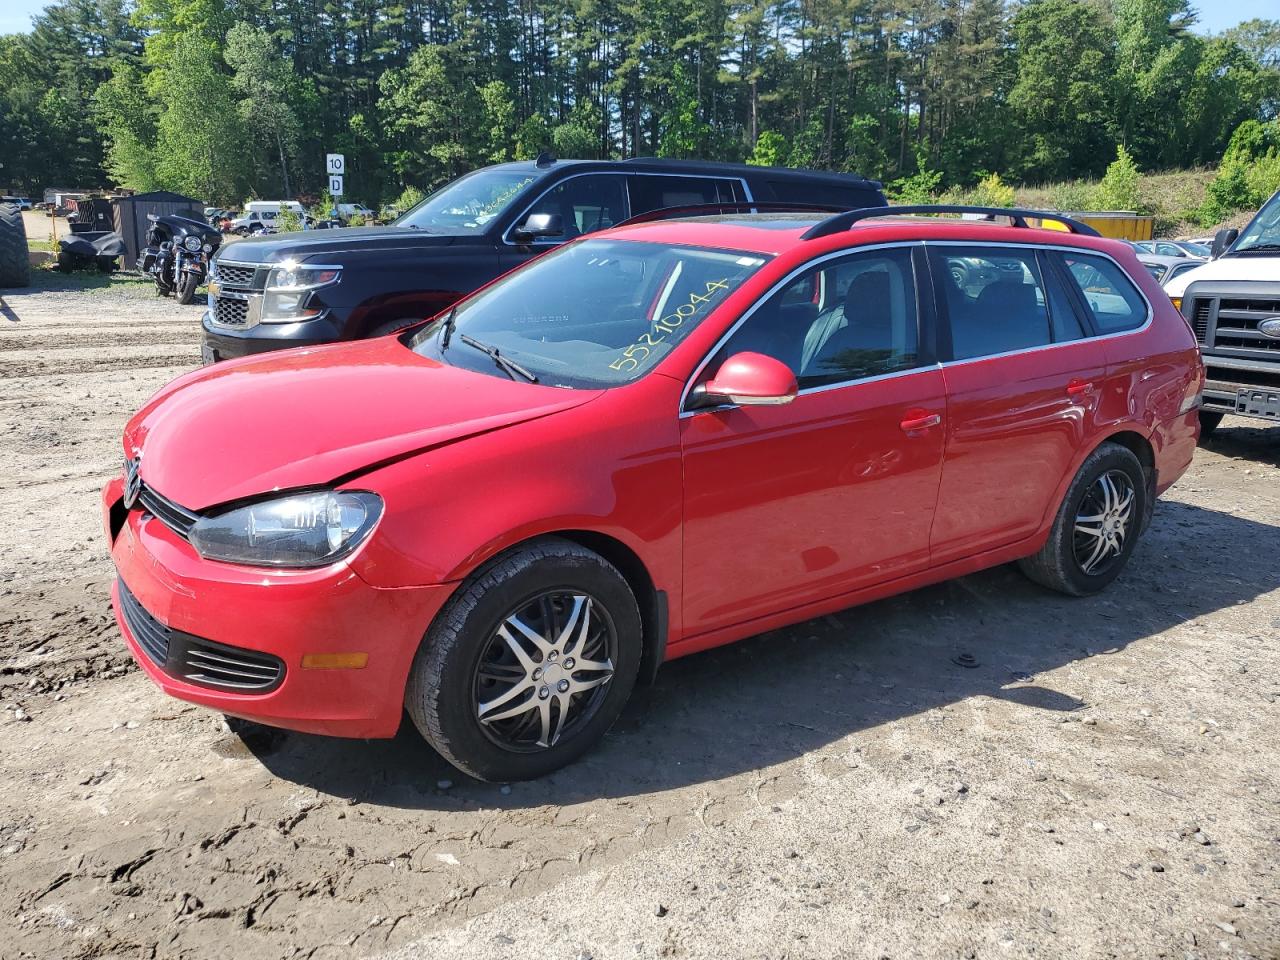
[(311, 416), (1254, 267), (275, 247)]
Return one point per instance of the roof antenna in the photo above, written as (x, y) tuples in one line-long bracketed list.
[(545, 159)]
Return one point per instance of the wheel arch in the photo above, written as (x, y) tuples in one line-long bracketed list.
[(1138, 444), (654, 619)]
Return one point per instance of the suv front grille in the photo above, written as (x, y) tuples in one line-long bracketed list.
[(1200, 319), (231, 311), (1237, 325), (240, 275), (196, 660)]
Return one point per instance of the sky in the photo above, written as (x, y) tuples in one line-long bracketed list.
[(1215, 15)]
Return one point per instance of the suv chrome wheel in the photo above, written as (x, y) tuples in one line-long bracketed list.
[(544, 671), (1103, 522)]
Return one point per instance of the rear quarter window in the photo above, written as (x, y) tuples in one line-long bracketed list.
[(1113, 300)]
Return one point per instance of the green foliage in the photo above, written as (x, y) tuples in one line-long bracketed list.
[(921, 187), (1074, 195), (993, 192), (287, 220), (200, 140), (1248, 175), (1118, 189), (921, 93), (533, 136), (770, 150)]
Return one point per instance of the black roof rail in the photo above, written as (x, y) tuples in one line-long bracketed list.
[(734, 206), (843, 221)]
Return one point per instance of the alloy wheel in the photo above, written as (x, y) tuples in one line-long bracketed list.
[(545, 670), (1103, 522)]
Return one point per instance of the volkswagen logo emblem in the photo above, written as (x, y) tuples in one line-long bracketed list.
[(132, 481), (1270, 327)]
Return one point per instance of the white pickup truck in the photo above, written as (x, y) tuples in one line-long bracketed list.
[(1233, 305)]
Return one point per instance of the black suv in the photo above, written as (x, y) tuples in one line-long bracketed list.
[(297, 289)]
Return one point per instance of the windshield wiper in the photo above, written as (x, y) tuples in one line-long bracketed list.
[(506, 363), (446, 328)]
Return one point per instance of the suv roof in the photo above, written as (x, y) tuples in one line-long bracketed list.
[(546, 164)]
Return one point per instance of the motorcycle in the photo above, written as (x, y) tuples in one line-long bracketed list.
[(178, 252)]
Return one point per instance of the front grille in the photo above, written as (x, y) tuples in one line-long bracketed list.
[(231, 311), (151, 634), (1200, 319), (1237, 325), (178, 519), (196, 660), (235, 274), (230, 668)]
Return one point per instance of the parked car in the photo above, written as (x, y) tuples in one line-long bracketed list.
[(1172, 248), (1165, 269), (348, 210), (1233, 305), (656, 439), (359, 282), (22, 203)]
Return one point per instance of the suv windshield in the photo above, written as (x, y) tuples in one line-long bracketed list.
[(598, 313), (1264, 232), (468, 203)]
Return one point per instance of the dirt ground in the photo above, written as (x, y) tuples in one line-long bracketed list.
[(1104, 783)]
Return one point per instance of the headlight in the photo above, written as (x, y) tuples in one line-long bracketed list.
[(293, 276), (288, 286), (207, 248), (303, 530), (192, 243)]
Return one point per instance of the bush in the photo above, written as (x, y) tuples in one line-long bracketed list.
[(920, 187), (993, 192), (1073, 195), (288, 221), (770, 150), (1119, 187)]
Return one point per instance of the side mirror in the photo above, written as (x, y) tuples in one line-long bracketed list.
[(538, 225), (1222, 240), (747, 380)]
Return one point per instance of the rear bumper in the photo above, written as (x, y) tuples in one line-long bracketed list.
[(284, 613), (1174, 443)]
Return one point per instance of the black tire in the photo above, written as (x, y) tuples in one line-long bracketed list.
[(15, 267), (1209, 422), (389, 327), (443, 695), (186, 290), (1058, 565)]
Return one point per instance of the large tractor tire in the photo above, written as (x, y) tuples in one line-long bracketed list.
[(15, 268)]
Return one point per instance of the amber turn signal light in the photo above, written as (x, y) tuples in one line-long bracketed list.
[(335, 661)]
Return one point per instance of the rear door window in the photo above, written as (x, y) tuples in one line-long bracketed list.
[(1112, 299), (995, 299), (800, 191), (654, 192)]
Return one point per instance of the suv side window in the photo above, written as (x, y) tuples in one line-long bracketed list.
[(850, 318), (1114, 302), (585, 204), (653, 192), (995, 300), (798, 191)]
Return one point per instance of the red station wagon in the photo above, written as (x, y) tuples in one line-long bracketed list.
[(657, 439)]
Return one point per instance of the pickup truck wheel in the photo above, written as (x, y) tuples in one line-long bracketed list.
[(1209, 422), (528, 664), (1097, 525), (15, 269)]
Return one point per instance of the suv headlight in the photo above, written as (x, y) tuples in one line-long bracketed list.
[(302, 530), (288, 285)]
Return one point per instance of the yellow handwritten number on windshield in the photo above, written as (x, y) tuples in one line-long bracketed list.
[(635, 353)]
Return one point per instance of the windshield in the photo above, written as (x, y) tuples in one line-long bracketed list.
[(468, 203), (1263, 233), (598, 313)]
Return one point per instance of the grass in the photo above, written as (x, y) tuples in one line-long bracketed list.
[(118, 284), (1172, 197)]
